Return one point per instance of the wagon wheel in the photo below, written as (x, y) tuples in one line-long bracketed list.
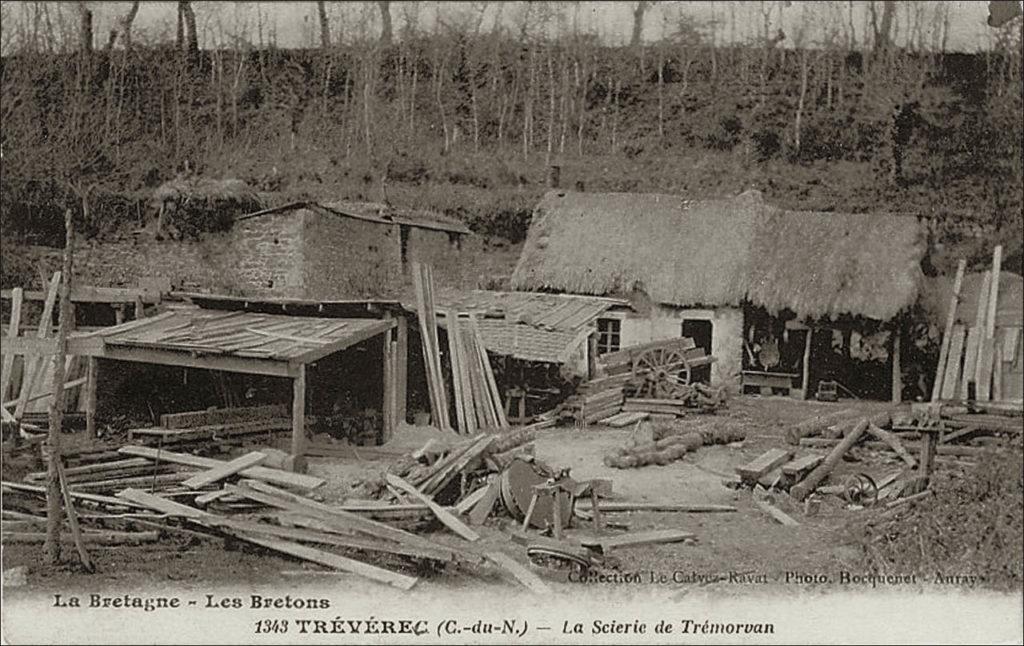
[(665, 373)]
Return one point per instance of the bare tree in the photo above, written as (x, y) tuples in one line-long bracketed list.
[(84, 27), (123, 27), (385, 22), (639, 11), (188, 38), (882, 27), (325, 27)]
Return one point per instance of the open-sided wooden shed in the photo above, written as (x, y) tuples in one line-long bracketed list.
[(274, 345)]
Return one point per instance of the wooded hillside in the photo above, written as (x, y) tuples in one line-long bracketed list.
[(469, 124)]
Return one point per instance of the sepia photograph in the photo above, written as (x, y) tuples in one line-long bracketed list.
[(525, 322)]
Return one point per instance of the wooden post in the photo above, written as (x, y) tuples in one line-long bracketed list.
[(91, 373), (401, 368), (897, 370), (807, 363), (140, 308), (986, 355), (298, 418), (954, 301), (119, 314), (388, 399)]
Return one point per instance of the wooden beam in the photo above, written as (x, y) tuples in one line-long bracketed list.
[(950, 321), (275, 476), (806, 366), (247, 365), (68, 385), (69, 511), (388, 387), (986, 354), (372, 330), (443, 515), (897, 370), (90, 294), (225, 470), (77, 345), (528, 579), (299, 415), (402, 368)]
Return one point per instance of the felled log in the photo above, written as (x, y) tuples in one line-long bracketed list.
[(881, 420), (817, 425), (802, 489)]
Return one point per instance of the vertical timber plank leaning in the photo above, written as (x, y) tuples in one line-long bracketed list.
[(950, 320), (401, 368), (987, 352), (33, 364), (13, 327), (299, 415)]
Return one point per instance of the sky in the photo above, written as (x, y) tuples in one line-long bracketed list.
[(294, 24)]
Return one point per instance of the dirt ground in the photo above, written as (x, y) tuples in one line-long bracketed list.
[(748, 545)]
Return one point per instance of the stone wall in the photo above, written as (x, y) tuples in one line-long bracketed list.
[(350, 258), (259, 256), (267, 255)]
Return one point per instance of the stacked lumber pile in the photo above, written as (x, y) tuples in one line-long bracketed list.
[(423, 285), (668, 449), (222, 426), (596, 400), (477, 402), (972, 357)]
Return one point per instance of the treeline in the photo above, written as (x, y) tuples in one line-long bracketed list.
[(489, 111)]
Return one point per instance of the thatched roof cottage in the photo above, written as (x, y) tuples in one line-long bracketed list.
[(706, 268)]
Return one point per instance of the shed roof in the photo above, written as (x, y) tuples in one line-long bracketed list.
[(235, 341), (722, 252), (530, 326), (371, 212)]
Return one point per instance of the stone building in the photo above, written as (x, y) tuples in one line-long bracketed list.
[(307, 249)]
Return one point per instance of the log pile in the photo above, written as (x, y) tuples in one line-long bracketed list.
[(668, 449)]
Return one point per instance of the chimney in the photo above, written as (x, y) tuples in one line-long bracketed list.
[(554, 175)]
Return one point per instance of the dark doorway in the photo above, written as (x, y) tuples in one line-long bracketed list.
[(700, 331)]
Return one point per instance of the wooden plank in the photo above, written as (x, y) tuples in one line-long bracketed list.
[(632, 539), (72, 516), (802, 464), (87, 538), (492, 385), (31, 365), (993, 296), (225, 470), (299, 414), (524, 576), (894, 443), (615, 506), (773, 511), (953, 370), (468, 502), (160, 504), (191, 419), (804, 488), (67, 386), (455, 355), (92, 294), (446, 518), (335, 561), (954, 303), (478, 515), (763, 464), (13, 329), (274, 476), (971, 352), (269, 495), (402, 367)]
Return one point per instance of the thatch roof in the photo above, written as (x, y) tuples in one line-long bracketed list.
[(204, 192), (722, 252)]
